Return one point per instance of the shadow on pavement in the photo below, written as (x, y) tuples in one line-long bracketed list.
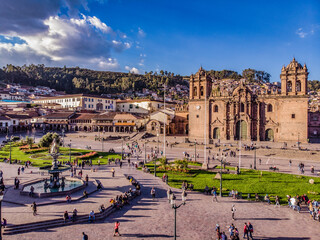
[(147, 235)]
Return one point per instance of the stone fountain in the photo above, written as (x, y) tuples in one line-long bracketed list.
[(56, 185)]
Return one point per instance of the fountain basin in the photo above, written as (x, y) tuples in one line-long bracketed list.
[(71, 185)]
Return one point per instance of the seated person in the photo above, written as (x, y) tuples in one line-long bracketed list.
[(206, 189), (99, 186), (92, 217), (267, 198), (102, 208)]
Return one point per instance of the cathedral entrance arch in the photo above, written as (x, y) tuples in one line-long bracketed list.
[(216, 133), (269, 135), (241, 130)]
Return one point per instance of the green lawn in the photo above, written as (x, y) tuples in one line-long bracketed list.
[(249, 181), (41, 159)]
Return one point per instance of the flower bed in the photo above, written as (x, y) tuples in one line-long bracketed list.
[(24, 147), (36, 150), (88, 155)]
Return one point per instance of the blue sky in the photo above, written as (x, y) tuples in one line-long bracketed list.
[(177, 36)]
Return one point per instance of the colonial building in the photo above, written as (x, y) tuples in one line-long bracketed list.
[(230, 111), (141, 106), (79, 102)]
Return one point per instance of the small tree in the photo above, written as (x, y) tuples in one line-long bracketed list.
[(47, 139), (29, 141)]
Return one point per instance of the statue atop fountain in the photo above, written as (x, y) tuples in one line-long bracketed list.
[(56, 168)]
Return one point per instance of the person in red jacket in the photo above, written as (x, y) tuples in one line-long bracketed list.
[(245, 231), (116, 229)]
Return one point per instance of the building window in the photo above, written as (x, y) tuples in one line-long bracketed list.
[(197, 116), (289, 86), (293, 116), (195, 90), (298, 87), (216, 108), (269, 108), (241, 107), (201, 91), (130, 106)]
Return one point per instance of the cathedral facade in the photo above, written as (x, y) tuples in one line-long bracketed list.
[(230, 110)]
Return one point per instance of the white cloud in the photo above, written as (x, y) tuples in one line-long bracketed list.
[(301, 33), (141, 32), (83, 41), (132, 70), (98, 24), (127, 68)]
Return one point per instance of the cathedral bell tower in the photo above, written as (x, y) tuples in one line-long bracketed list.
[(294, 79), (200, 85)]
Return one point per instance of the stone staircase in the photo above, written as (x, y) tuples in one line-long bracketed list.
[(54, 223)]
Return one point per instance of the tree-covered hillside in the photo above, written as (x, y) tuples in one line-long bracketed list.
[(79, 80)]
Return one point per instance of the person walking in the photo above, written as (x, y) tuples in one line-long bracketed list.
[(245, 231), (34, 208), (214, 194), (65, 216), (112, 171), (233, 210), (87, 179), (184, 196), (116, 229), (277, 200), (169, 192), (84, 236), (250, 230), (153, 193)]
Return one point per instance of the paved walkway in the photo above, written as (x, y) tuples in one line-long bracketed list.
[(148, 219)]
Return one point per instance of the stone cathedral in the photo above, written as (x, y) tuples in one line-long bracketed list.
[(232, 109)]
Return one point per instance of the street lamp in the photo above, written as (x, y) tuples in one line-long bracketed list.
[(195, 150), (102, 144), (155, 166), (255, 158), (145, 151), (221, 161), (165, 119), (62, 132), (122, 149), (9, 140), (1, 198), (175, 207), (70, 151)]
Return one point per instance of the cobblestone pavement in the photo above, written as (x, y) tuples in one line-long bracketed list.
[(148, 219), (153, 219)]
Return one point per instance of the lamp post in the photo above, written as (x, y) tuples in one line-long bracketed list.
[(9, 140), (70, 151), (155, 166), (145, 151), (221, 161), (102, 144), (195, 150), (1, 198), (255, 159), (165, 119), (175, 207), (62, 132), (122, 149), (158, 140)]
